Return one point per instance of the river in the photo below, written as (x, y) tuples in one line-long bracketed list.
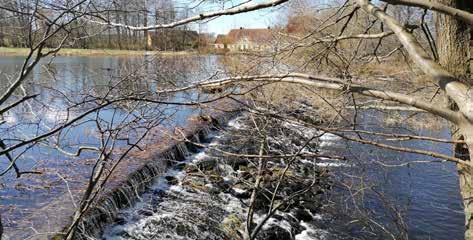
[(63, 83), (424, 194), (373, 197), (427, 194)]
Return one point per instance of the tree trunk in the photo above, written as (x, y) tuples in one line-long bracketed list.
[(147, 37), (465, 174), (466, 187), (454, 40), (454, 43), (118, 29)]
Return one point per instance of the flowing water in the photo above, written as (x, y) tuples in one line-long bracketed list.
[(427, 194)]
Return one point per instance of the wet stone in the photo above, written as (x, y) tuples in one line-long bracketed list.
[(145, 212), (119, 220), (171, 180), (181, 230), (302, 214), (213, 189), (158, 193), (192, 148), (191, 168), (240, 194), (228, 181), (180, 166), (124, 234), (244, 174), (275, 233), (311, 206)]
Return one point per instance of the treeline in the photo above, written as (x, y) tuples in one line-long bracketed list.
[(17, 29)]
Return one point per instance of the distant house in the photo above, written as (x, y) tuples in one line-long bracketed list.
[(245, 40)]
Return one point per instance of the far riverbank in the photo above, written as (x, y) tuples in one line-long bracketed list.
[(4, 51)]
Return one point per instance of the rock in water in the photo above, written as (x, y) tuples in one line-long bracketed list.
[(275, 233)]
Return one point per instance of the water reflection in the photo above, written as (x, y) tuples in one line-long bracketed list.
[(417, 201), (69, 86)]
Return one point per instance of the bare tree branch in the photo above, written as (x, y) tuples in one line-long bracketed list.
[(435, 6), (230, 11), (337, 84), (458, 91)]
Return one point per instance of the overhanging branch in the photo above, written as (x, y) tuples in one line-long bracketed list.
[(230, 11), (338, 84), (456, 90), (436, 6)]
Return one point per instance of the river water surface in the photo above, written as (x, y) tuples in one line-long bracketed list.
[(427, 194), (63, 83), (416, 201)]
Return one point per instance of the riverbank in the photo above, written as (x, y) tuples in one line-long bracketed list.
[(94, 52)]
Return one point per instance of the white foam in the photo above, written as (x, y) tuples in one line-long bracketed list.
[(239, 190), (331, 164), (257, 218), (304, 235), (199, 156), (160, 184), (326, 163), (329, 137), (233, 204), (235, 123), (311, 233), (324, 144), (176, 188)]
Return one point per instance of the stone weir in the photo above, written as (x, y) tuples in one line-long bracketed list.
[(124, 193)]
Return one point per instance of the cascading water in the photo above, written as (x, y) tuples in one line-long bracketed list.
[(192, 203), (137, 183), (168, 211), (206, 195)]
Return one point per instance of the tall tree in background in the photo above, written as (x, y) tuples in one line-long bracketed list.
[(145, 23)]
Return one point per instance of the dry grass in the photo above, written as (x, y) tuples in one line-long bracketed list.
[(392, 67), (328, 103)]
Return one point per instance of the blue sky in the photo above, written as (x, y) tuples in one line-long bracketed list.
[(255, 19), (247, 20), (261, 18)]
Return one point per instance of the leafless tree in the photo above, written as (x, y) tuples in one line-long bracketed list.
[(451, 73)]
